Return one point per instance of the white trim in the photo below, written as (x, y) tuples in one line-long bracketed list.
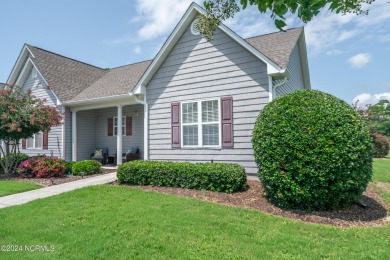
[(63, 133), (200, 124), (34, 145), (96, 100), (270, 88), (195, 30), (123, 123), (119, 136), (191, 13), (304, 60)]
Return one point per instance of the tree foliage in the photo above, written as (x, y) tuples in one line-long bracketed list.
[(219, 10), (21, 116), (377, 116)]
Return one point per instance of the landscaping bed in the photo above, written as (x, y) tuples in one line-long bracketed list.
[(354, 215), (56, 180)]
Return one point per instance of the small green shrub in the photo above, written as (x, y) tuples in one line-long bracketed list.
[(313, 151), (201, 176), (86, 167), (68, 167), (381, 145)]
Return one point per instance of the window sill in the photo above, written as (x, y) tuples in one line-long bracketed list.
[(200, 148)]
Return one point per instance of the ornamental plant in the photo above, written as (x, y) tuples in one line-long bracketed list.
[(86, 167), (381, 145), (313, 151), (21, 116), (42, 167)]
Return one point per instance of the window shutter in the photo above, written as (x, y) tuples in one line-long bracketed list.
[(129, 125), (23, 143), (110, 124), (175, 131), (227, 121), (45, 137)]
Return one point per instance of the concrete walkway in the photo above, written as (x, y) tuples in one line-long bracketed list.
[(24, 197)]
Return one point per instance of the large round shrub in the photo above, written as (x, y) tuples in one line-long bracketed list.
[(381, 145), (313, 151)]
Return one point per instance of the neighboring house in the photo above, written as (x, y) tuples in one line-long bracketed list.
[(195, 101)]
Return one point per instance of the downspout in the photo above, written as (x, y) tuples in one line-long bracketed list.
[(146, 127)]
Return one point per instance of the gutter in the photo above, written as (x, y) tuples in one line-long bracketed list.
[(95, 100)]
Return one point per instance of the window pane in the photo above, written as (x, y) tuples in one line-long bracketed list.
[(190, 135), (115, 121), (210, 134), (30, 143), (190, 112), (38, 140), (210, 111)]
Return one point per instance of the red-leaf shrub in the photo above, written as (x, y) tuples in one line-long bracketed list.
[(381, 145), (42, 167)]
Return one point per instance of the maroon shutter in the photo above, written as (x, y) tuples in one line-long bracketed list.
[(129, 125), (45, 138), (227, 121), (110, 124), (175, 115), (23, 143)]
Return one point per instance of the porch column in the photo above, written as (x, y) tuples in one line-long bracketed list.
[(74, 136), (119, 137)]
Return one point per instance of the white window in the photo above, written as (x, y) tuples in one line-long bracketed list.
[(36, 142), (116, 126), (201, 123)]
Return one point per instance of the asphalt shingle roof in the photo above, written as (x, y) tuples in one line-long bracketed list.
[(73, 80), (117, 81), (277, 46), (67, 77)]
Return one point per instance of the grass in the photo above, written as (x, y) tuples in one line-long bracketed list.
[(119, 222), (12, 187), (381, 170)]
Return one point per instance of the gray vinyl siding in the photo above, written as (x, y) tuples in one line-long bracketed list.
[(92, 131), (194, 70), (68, 134), (86, 134), (55, 134), (295, 81)]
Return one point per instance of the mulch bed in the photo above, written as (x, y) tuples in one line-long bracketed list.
[(56, 180), (374, 215)]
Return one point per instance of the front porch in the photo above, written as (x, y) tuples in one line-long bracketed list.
[(98, 128)]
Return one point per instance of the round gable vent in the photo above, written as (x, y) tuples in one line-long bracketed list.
[(194, 29)]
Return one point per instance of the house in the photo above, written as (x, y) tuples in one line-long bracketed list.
[(195, 101)]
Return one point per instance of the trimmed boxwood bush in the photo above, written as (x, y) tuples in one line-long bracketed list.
[(381, 145), (87, 167), (313, 151), (200, 176)]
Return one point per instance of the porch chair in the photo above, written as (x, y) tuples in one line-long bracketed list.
[(131, 155), (100, 155)]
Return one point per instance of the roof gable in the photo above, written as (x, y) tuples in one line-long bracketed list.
[(66, 77), (277, 46)]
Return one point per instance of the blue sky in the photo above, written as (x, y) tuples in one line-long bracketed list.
[(349, 56)]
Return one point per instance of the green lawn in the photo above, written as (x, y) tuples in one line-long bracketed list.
[(381, 170), (11, 187), (123, 223), (119, 222)]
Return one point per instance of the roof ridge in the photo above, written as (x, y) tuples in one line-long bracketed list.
[(60, 55), (130, 64), (300, 27)]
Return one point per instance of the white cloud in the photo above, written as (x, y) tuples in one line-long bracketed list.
[(137, 50), (360, 60), (159, 17), (334, 52), (370, 99), (328, 29)]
